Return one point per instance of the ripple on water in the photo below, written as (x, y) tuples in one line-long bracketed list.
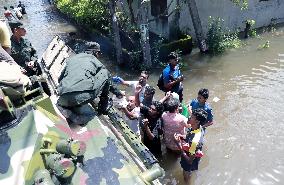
[(255, 181), (256, 121)]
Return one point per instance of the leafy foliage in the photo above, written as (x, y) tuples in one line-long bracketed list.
[(124, 22), (252, 32), (219, 39), (94, 13), (241, 3), (264, 46)]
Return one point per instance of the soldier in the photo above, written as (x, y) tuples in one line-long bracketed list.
[(79, 45), (22, 50), (24, 54), (83, 79), (93, 48)]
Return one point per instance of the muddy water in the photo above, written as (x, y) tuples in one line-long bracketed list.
[(246, 144), (42, 22)]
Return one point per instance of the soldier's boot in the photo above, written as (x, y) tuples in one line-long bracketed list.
[(104, 105)]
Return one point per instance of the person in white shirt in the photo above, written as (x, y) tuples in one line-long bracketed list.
[(131, 115), (17, 11), (141, 83)]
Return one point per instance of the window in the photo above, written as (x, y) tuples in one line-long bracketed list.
[(158, 7)]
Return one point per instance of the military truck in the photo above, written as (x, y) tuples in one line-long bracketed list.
[(39, 147)]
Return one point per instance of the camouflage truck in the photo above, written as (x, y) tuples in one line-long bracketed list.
[(39, 147)]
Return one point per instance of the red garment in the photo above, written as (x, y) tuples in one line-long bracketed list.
[(174, 123), (186, 146), (7, 13)]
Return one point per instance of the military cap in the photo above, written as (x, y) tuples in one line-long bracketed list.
[(93, 46), (15, 24), (72, 34)]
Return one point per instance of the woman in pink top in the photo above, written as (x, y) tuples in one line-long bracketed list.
[(174, 122)]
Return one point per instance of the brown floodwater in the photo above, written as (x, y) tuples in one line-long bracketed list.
[(245, 145)]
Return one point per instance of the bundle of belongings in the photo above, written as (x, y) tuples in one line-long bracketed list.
[(11, 76)]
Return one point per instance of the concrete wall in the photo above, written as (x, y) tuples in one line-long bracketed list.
[(262, 12)]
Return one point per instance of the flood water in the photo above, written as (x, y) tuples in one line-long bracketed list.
[(245, 146)]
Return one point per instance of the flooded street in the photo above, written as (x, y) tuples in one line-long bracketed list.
[(245, 145)]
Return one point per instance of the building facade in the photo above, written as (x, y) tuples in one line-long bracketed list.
[(165, 16)]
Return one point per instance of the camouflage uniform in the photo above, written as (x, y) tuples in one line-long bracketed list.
[(101, 156), (23, 52), (83, 79)]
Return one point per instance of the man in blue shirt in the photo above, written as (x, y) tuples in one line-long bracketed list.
[(200, 102), (172, 76)]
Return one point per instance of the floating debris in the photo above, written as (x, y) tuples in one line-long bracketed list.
[(216, 99)]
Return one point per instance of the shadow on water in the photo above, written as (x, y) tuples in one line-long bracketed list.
[(5, 143), (246, 143)]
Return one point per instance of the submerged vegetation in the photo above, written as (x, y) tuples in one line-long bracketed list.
[(264, 46), (95, 15), (251, 32), (219, 38)]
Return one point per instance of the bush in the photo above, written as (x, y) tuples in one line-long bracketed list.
[(94, 13), (219, 39), (249, 24), (183, 45)]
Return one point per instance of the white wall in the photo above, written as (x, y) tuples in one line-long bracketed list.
[(234, 17)]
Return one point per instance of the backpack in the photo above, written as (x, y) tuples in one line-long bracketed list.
[(160, 83)]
